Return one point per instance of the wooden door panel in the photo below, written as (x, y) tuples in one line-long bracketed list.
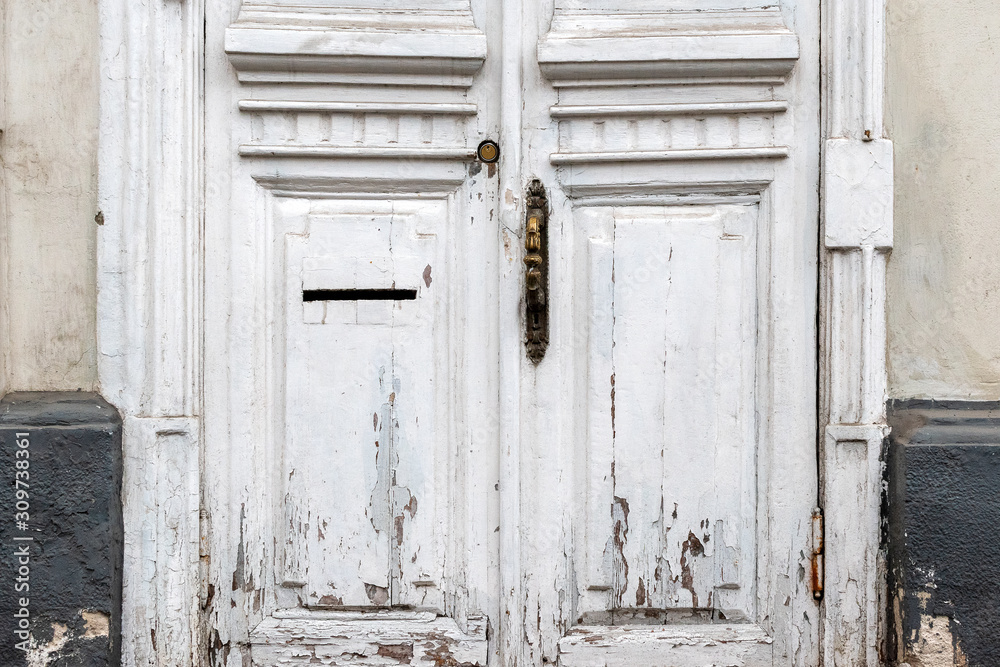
[(366, 383), (353, 236), (362, 416), (678, 143), (671, 403)]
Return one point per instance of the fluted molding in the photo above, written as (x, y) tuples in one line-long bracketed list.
[(149, 311), (857, 237)]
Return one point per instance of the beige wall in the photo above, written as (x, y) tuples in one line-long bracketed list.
[(50, 109), (943, 113)]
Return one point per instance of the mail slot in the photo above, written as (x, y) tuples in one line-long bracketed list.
[(359, 295)]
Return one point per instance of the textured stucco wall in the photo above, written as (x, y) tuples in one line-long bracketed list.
[(49, 158), (944, 558), (944, 273), (61, 560)]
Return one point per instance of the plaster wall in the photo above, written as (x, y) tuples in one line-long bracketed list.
[(49, 159), (944, 272)]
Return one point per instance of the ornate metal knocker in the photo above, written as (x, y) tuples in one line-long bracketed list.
[(536, 274)]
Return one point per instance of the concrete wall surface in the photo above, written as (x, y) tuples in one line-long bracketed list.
[(944, 273), (49, 167), (64, 553), (944, 472)]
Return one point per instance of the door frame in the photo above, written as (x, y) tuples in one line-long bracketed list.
[(152, 184)]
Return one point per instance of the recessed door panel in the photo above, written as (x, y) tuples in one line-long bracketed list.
[(364, 398), (671, 402)]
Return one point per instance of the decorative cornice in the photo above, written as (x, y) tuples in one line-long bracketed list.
[(327, 129), (688, 109), (667, 44), (392, 108), (331, 151), (752, 152), (281, 44)]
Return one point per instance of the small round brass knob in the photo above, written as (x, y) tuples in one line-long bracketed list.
[(488, 151)]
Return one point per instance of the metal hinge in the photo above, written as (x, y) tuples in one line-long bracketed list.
[(817, 553)]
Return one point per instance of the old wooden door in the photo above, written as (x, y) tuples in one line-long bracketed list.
[(389, 477)]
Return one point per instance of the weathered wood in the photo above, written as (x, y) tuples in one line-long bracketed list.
[(289, 639), (673, 299), (345, 440), (658, 466), (366, 381), (857, 234), (693, 365), (149, 314), (681, 646)]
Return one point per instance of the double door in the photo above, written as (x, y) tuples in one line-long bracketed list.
[(510, 334)]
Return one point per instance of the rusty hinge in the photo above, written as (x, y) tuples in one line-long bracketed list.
[(817, 553)]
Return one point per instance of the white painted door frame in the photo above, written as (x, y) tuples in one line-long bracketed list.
[(152, 188), (856, 204)]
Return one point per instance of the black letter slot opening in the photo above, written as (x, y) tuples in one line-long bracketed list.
[(359, 294)]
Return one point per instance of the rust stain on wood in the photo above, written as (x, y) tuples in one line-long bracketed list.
[(691, 546)]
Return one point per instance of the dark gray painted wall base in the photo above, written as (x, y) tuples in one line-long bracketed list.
[(65, 560), (944, 526)]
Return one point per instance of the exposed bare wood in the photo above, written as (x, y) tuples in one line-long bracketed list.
[(367, 640), (730, 645)]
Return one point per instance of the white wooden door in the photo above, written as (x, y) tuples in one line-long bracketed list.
[(389, 477)]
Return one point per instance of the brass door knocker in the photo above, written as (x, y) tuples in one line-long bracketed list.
[(536, 274)]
